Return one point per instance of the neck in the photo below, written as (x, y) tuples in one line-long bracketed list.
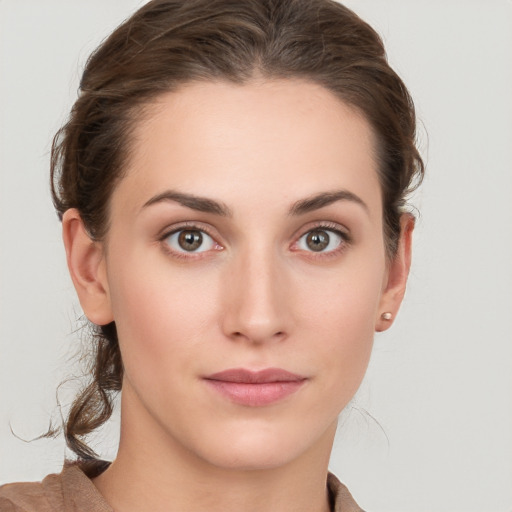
[(154, 472)]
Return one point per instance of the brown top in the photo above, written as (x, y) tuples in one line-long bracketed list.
[(73, 491)]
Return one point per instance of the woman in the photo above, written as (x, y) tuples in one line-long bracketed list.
[(231, 184)]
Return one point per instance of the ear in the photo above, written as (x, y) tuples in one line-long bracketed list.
[(398, 272), (87, 267)]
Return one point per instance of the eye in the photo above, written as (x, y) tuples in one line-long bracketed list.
[(190, 240), (321, 240)]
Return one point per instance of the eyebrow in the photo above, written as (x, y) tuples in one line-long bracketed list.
[(317, 201), (201, 204), (207, 205)]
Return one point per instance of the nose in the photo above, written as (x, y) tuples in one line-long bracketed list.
[(256, 308)]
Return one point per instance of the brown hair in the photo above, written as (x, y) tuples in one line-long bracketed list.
[(169, 43)]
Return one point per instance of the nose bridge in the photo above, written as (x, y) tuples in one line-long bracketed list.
[(255, 308)]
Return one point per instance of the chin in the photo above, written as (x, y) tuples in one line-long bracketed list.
[(253, 449), (252, 456)]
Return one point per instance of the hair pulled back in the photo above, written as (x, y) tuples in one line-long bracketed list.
[(169, 43)]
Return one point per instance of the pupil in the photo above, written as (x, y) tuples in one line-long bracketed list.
[(317, 240), (190, 240)]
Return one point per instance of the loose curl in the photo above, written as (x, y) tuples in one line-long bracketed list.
[(170, 43)]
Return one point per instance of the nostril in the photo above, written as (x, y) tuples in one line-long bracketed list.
[(257, 339)]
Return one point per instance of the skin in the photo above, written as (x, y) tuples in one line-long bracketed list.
[(254, 296)]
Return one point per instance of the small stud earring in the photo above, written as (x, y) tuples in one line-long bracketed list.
[(386, 316)]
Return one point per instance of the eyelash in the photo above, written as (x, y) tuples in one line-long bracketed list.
[(321, 226)]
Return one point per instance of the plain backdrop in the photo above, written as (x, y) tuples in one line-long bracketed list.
[(440, 382)]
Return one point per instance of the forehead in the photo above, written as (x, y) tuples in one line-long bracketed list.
[(289, 138)]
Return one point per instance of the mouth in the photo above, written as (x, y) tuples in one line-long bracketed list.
[(255, 388)]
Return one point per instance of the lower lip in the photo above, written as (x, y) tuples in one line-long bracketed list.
[(256, 394)]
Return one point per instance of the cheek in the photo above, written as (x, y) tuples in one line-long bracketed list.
[(162, 314), (345, 299), (339, 314)]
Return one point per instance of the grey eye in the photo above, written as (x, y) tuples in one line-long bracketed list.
[(190, 240), (317, 240), (320, 240)]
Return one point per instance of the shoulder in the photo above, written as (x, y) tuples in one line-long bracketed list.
[(341, 499), (32, 496), (69, 490)]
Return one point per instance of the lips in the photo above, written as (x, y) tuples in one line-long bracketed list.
[(255, 388)]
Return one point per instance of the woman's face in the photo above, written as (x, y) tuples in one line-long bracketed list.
[(245, 270)]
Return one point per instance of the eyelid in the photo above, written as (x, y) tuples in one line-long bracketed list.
[(180, 226), (327, 226)]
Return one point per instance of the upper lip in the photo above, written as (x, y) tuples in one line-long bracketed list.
[(241, 375)]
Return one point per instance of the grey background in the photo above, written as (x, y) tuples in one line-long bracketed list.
[(440, 381)]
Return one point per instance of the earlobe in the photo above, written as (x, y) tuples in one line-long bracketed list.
[(86, 264), (398, 272)]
